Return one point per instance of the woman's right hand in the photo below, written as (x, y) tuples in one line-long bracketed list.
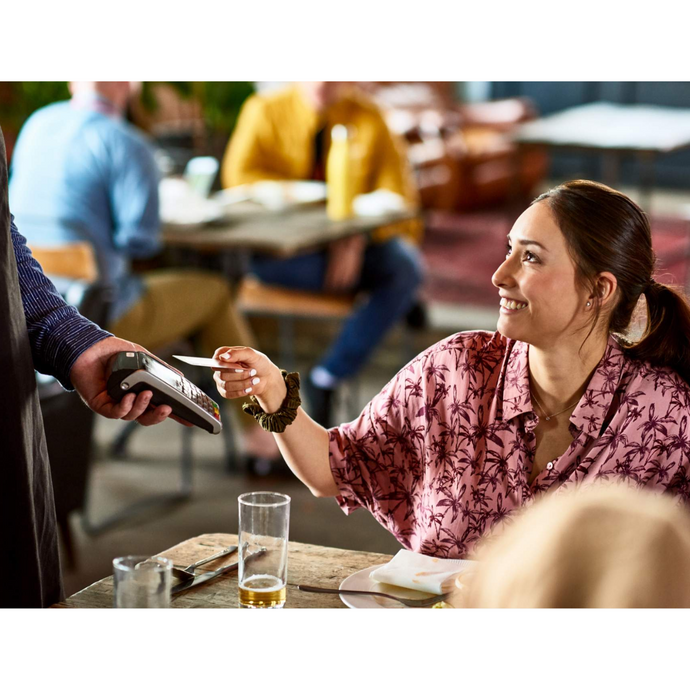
[(254, 374)]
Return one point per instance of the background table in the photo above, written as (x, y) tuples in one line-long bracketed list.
[(284, 233), (307, 564), (613, 130)]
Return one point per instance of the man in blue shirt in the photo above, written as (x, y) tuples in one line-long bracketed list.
[(81, 173)]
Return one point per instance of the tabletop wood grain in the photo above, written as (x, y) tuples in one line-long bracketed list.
[(307, 564)]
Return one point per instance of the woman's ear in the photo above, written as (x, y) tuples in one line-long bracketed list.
[(605, 287)]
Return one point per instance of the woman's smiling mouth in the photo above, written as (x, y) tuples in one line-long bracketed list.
[(511, 305)]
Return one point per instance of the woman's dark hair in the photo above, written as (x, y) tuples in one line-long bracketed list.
[(606, 231)]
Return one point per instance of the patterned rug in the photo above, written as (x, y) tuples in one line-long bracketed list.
[(463, 251)]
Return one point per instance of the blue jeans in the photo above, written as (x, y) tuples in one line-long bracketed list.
[(391, 274)]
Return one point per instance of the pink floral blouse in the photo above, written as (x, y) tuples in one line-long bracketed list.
[(445, 450)]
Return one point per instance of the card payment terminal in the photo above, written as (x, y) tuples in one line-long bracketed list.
[(134, 372)]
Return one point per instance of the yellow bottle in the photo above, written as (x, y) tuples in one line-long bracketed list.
[(340, 192)]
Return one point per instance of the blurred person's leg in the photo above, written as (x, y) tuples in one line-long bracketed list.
[(301, 272), (178, 304), (391, 275)]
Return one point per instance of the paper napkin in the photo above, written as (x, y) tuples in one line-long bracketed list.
[(423, 573)]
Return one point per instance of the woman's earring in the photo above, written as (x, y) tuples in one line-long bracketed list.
[(589, 304)]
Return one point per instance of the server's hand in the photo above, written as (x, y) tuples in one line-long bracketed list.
[(88, 376)]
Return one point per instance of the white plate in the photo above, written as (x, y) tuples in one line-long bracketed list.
[(305, 191), (201, 216), (361, 580), (275, 194)]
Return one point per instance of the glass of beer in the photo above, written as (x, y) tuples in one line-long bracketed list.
[(263, 552), (142, 582)]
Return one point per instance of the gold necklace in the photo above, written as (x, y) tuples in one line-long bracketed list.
[(547, 417)]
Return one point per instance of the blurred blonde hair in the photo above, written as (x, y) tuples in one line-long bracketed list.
[(604, 546)]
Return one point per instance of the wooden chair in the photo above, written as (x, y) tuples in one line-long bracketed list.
[(76, 261), (287, 306)]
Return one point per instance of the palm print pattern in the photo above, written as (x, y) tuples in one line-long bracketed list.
[(444, 452)]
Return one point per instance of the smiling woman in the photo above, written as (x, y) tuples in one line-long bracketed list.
[(578, 260), (537, 283), (477, 425)]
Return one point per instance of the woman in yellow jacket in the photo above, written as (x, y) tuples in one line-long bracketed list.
[(285, 135)]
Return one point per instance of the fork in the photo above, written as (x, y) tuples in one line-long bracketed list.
[(188, 572), (429, 601)]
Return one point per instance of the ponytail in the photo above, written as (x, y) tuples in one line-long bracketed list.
[(666, 340), (606, 231)]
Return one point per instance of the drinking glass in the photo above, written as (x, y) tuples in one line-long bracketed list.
[(200, 174), (142, 582), (263, 539)]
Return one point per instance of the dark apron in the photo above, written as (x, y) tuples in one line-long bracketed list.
[(29, 563)]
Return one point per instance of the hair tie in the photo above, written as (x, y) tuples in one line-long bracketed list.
[(280, 419)]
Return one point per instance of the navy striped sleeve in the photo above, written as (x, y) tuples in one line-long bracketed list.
[(58, 333)]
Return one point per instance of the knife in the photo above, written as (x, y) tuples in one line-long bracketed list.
[(205, 577)]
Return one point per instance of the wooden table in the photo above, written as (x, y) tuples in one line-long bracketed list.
[(613, 130), (284, 233), (307, 564)]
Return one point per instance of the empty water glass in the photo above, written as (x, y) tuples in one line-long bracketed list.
[(142, 582)]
